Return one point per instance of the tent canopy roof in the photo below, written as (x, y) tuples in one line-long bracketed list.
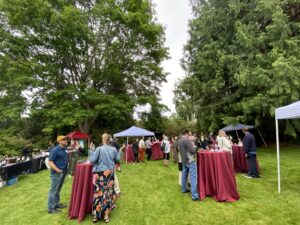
[(238, 126), (77, 135), (134, 132), (291, 111)]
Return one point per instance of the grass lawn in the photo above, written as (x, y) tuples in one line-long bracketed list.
[(151, 195)]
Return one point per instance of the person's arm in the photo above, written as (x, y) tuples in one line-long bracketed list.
[(190, 147), (54, 167), (52, 157), (93, 155), (123, 147), (117, 156)]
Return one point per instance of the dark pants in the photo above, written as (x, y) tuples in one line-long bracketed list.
[(136, 157), (251, 159), (149, 153), (166, 156)]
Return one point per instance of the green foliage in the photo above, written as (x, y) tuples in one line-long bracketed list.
[(11, 145), (242, 60), (153, 119), (78, 64), (174, 125)]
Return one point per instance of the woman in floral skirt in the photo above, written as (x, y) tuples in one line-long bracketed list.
[(103, 159)]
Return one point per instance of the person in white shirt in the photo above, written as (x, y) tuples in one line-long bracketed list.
[(142, 149), (148, 148), (223, 142), (166, 149)]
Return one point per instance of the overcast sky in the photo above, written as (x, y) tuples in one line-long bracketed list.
[(174, 15)]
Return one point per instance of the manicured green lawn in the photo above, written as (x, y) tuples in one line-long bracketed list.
[(151, 195)]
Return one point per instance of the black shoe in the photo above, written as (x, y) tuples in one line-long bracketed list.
[(187, 191), (54, 211), (256, 176), (196, 199), (61, 206)]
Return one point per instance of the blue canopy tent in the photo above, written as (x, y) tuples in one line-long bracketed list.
[(134, 132), (239, 126), (236, 127)]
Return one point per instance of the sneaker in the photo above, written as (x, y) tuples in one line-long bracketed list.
[(196, 199), (54, 211), (256, 176), (61, 206), (247, 176), (187, 191)]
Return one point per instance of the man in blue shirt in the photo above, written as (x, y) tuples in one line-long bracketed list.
[(249, 146), (58, 162)]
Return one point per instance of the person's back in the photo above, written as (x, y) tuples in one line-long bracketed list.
[(105, 159), (186, 150), (249, 143), (135, 147), (249, 147)]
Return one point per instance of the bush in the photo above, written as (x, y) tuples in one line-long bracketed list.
[(11, 145)]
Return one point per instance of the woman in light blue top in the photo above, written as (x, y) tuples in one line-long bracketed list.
[(103, 159)]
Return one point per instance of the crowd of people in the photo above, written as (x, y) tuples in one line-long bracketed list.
[(106, 160)]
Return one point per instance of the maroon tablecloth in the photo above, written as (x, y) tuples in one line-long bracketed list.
[(156, 151), (216, 176), (82, 192), (239, 160), (129, 154)]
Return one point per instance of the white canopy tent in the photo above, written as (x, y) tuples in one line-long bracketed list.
[(291, 111)]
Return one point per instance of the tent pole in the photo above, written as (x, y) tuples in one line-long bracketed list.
[(126, 150), (262, 138), (237, 135), (278, 157)]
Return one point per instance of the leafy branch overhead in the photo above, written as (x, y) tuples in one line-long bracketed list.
[(80, 61)]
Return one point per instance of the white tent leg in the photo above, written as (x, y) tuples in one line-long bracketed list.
[(262, 138), (278, 157), (126, 150)]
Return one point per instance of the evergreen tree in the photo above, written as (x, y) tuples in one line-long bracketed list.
[(242, 60)]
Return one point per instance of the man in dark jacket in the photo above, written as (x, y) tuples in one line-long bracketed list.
[(249, 146), (135, 149), (189, 166)]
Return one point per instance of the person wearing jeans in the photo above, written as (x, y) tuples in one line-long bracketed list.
[(58, 162), (57, 181), (189, 167)]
